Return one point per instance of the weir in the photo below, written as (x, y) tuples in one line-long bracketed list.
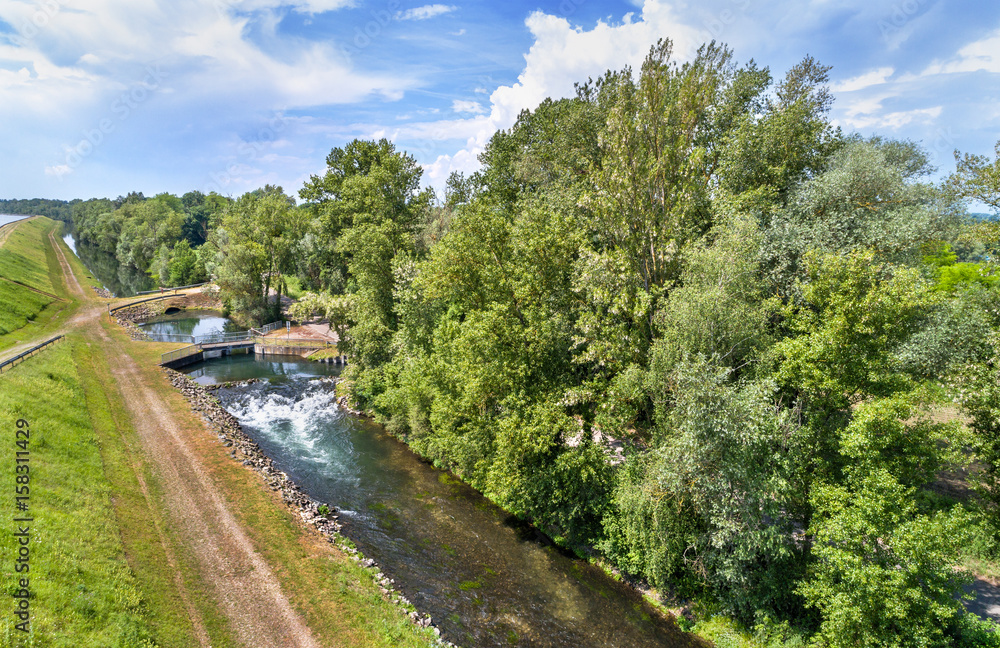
[(302, 347)]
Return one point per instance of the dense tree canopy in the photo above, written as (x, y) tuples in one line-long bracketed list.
[(684, 320)]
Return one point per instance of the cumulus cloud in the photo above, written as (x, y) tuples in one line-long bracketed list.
[(300, 6), (425, 12), (876, 120), (560, 56), (103, 44)]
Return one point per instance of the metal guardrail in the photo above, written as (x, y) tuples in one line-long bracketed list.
[(273, 326), (8, 363), (208, 338), (141, 301), (218, 338), (174, 288), (177, 354)]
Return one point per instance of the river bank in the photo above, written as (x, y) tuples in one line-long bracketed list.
[(322, 516)]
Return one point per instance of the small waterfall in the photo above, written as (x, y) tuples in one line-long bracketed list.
[(300, 419)]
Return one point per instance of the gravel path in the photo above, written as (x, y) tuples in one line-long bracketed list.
[(987, 601), (241, 581)]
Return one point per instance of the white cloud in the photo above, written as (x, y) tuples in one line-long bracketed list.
[(980, 55), (301, 6), (425, 12), (461, 106), (202, 47), (875, 77), (560, 56), (874, 120)]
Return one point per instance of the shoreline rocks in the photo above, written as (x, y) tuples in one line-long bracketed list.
[(247, 452), (127, 318)]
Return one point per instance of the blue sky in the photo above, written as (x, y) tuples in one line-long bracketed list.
[(101, 97)]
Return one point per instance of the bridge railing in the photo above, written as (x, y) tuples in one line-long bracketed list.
[(273, 326), (218, 338), (177, 354)]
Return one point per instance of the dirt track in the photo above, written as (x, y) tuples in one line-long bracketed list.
[(241, 581)]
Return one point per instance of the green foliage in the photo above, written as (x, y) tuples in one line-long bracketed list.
[(979, 395), (367, 208), (55, 209), (883, 573), (720, 310), (255, 241), (159, 235), (852, 310), (868, 197), (724, 452), (535, 476), (978, 178)]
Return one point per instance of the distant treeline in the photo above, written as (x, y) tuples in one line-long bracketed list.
[(163, 235), (56, 209)]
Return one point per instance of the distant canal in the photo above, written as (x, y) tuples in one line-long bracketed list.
[(10, 218), (120, 280)]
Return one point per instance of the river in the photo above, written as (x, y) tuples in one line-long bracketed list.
[(120, 280), (486, 579), (10, 218)]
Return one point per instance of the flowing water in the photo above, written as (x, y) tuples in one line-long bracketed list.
[(486, 579)]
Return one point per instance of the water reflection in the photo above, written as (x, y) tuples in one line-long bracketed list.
[(10, 218), (121, 280), (189, 322)]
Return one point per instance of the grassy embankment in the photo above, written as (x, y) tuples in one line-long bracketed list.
[(83, 592), (100, 548), (27, 261)]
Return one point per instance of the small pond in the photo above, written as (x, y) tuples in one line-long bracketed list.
[(191, 323)]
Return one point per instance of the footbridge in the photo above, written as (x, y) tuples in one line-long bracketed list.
[(252, 341)]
